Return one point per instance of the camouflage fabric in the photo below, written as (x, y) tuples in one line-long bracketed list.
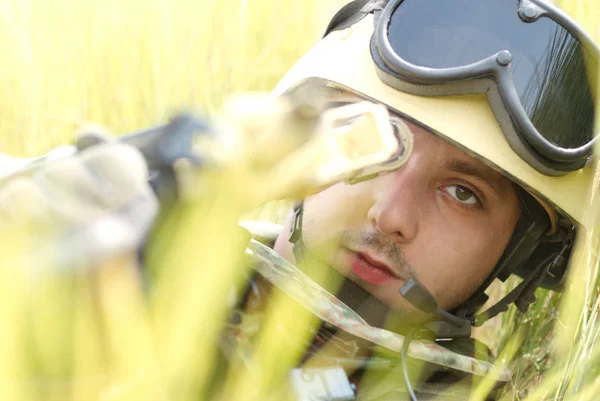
[(369, 355), (287, 278)]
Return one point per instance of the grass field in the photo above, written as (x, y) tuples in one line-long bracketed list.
[(131, 64), (127, 65)]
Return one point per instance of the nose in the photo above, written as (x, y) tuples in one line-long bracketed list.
[(400, 202)]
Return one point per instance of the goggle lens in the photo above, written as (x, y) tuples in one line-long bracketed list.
[(550, 67)]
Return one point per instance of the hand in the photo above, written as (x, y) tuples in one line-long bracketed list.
[(97, 200)]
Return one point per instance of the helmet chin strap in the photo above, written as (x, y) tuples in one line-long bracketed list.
[(444, 325)]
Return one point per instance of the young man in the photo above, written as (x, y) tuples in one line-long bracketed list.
[(499, 100), (503, 131)]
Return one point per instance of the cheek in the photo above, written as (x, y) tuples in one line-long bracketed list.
[(459, 257), (330, 212)]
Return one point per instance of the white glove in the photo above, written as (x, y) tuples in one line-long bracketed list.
[(94, 203)]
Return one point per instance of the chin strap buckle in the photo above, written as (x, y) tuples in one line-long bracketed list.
[(445, 330)]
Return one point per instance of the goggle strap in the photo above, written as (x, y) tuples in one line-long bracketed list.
[(353, 12)]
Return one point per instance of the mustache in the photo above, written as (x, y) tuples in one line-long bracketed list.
[(386, 247)]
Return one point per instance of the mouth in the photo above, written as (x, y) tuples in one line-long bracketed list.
[(371, 270)]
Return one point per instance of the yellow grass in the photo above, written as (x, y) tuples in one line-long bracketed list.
[(127, 65)]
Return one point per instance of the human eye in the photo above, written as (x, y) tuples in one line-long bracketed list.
[(464, 195)]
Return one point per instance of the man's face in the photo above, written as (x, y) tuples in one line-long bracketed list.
[(444, 218)]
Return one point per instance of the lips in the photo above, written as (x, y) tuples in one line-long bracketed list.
[(371, 270)]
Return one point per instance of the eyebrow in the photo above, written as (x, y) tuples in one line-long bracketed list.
[(482, 173)]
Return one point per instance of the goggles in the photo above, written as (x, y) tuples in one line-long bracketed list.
[(536, 65)]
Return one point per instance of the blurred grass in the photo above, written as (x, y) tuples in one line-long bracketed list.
[(130, 64)]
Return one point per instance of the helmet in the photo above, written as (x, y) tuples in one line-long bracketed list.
[(483, 105)]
